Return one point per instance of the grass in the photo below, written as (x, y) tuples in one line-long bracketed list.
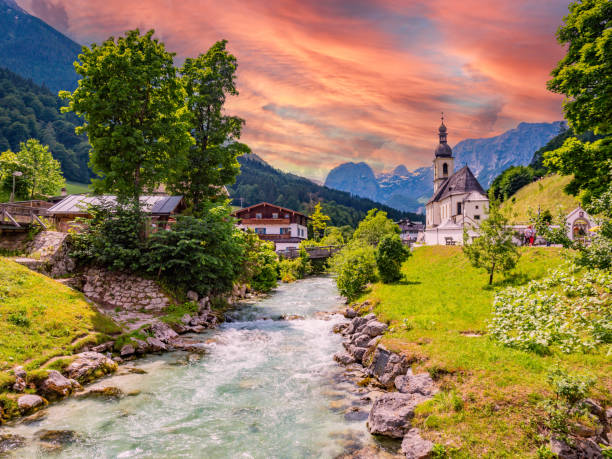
[(41, 318), (547, 194), (438, 317), (77, 188)]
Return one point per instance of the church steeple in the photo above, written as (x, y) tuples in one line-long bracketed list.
[(444, 163)]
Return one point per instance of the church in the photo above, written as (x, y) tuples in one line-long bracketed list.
[(458, 200)]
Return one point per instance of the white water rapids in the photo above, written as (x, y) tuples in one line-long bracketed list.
[(264, 388)]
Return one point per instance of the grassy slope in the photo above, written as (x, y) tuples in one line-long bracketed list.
[(41, 318), (77, 188), (499, 386), (547, 193)]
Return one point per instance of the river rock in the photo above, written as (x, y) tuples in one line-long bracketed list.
[(9, 442), (374, 328), (186, 319), (387, 365), (192, 296), (415, 447), (204, 304), (109, 392), (350, 313), (104, 347), (344, 358), (582, 449), (19, 372), (56, 438), (361, 340), (141, 346), (89, 365), (357, 352), (339, 328), (355, 324), (57, 385), (415, 384), (162, 331), (29, 402), (156, 345), (127, 351), (391, 414), (189, 345)]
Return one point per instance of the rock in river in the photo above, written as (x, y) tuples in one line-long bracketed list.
[(9, 442), (29, 402), (415, 447), (391, 414), (90, 365), (415, 384), (57, 385)]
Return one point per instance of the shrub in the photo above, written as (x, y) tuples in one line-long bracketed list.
[(260, 262), (297, 268), (374, 227), (390, 255), (355, 267), (565, 309), (202, 254)]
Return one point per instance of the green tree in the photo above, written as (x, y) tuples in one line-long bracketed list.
[(133, 106), (584, 76), (212, 161), (493, 248), (510, 181), (42, 175), (390, 254), (355, 267), (374, 227), (260, 263), (319, 222)]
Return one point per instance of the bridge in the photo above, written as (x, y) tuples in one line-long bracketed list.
[(20, 216), (315, 252)]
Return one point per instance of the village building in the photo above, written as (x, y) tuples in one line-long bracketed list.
[(160, 208), (458, 202), (410, 231), (285, 227)]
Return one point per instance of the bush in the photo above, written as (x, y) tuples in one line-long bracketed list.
[(297, 268), (260, 263), (201, 254), (566, 309), (390, 255), (374, 227), (355, 267)]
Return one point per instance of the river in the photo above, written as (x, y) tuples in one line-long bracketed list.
[(265, 388)]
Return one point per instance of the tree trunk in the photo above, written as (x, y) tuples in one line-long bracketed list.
[(491, 274)]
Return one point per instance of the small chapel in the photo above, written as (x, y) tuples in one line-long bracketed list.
[(458, 200)]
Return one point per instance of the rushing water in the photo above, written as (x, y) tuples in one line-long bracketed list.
[(264, 388)]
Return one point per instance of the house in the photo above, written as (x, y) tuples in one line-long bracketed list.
[(458, 202), (285, 227), (160, 208), (410, 231)]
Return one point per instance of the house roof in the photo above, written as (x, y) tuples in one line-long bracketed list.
[(267, 204), (462, 181), (77, 204)]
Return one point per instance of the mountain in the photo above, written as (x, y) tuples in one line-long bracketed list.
[(33, 49), (28, 111), (487, 158), (258, 181)]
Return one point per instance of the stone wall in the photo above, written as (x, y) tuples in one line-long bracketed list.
[(125, 291)]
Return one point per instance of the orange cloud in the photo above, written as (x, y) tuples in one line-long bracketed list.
[(326, 82)]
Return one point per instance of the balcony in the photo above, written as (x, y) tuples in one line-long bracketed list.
[(274, 237), (265, 221)]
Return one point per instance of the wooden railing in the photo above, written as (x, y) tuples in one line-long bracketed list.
[(313, 252), (17, 215)]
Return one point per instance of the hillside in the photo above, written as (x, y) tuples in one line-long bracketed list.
[(547, 194), (489, 404), (33, 49), (487, 158), (30, 111), (258, 181), (41, 318)]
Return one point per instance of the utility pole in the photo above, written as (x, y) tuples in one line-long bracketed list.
[(15, 174)]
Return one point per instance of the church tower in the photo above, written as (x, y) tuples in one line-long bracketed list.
[(444, 163)]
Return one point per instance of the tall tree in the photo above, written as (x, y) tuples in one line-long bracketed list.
[(319, 222), (493, 249), (212, 160), (133, 105), (584, 76), (41, 174)]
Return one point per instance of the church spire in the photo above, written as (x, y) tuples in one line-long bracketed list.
[(442, 130)]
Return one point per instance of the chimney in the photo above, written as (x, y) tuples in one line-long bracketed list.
[(64, 192)]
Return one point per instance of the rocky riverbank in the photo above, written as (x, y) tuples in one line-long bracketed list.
[(393, 407)]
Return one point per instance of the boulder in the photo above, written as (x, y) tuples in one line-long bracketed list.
[(204, 304), (344, 358), (416, 384), (127, 350), (89, 365), (141, 346), (156, 345), (189, 345), (387, 365), (350, 313), (162, 331), (391, 414), (29, 402), (57, 385), (339, 328), (374, 328), (415, 447), (582, 449), (103, 392), (196, 328), (186, 319), (9, 442), (357, 352), (19, 372), (361, 340), (104, 347), (369, 317), (56, 438), (355, 324), (192, 296), (20, 379)]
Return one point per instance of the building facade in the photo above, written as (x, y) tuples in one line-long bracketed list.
[(458, 202), (285, 227)]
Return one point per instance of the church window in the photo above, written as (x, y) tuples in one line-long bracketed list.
[(476, 207), (476, 217), (445, 169), (458, 208)]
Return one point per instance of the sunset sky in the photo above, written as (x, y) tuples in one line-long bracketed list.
[(325, 82)]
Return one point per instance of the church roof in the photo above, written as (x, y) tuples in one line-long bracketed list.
[(462, 181)]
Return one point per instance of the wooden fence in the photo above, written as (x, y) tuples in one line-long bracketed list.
[(313, 252), (20, 216)]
